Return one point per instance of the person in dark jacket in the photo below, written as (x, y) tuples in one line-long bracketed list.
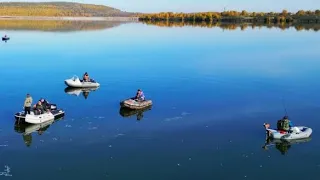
[(86, 77), (45, 104), (38, 108)]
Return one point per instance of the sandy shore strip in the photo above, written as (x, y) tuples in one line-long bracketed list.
[(69, 18)]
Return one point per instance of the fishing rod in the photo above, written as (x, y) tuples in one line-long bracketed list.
[(284, 106)]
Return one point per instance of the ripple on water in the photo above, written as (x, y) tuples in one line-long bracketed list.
[(6, 171), (173, 119), (185, 113), (92, 128), (119, 135)]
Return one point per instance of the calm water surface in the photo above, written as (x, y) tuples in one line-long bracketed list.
[(212, 90)]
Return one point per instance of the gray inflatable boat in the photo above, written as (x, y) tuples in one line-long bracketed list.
[(296, 132)]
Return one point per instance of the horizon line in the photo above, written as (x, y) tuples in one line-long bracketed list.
[(156, 12)]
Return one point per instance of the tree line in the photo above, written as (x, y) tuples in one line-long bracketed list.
[(234, 16)]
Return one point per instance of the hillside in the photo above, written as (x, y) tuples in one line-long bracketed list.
[(59, 9)]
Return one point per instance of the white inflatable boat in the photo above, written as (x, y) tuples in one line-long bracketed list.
[(77, 83), (296, 132), (41, 118)]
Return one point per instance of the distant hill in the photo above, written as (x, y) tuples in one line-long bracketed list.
[(59, 9)]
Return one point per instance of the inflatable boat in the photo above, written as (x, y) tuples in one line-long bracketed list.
[(75, 82), (133, 104), (5, 38), (41, 118), (296, 132)]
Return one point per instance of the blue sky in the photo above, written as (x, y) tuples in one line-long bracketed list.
[(203, 5)]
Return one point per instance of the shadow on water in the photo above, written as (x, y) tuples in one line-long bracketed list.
[(127, 113), (57, 25), (27, 129), (235, 26), (282, 145), (77, 91)]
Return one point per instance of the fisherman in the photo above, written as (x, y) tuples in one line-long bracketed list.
[(27, 104), (140, 95), (45, 104), (86, 77), (38, 108)]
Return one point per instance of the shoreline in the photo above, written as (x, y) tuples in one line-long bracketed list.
[(68, 18)]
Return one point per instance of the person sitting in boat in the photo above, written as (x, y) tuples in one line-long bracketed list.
[(284, 124), (291, 128), (140, 95), (38, 108), (86, 77), (45, 104)]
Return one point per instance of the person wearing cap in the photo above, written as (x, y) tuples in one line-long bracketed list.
[(140, 95), (27, 104), (38, 108), (284, 124), (45, 104), (86, 77)]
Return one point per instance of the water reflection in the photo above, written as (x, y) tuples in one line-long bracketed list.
[(127, 113), (77, 91), (57, 25), (234, 26), (27, 129), (282, 145)]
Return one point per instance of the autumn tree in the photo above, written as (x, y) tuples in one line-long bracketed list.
[(284, 13), (300, 13), (244, 13)]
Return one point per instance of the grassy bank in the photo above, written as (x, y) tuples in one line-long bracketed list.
[(56, 9), (63, 18)]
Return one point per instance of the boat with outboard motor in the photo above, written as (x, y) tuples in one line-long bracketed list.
[(296, 132), (32, 118), (76, 82)]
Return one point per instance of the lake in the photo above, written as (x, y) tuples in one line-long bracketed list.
[(212, 90)]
